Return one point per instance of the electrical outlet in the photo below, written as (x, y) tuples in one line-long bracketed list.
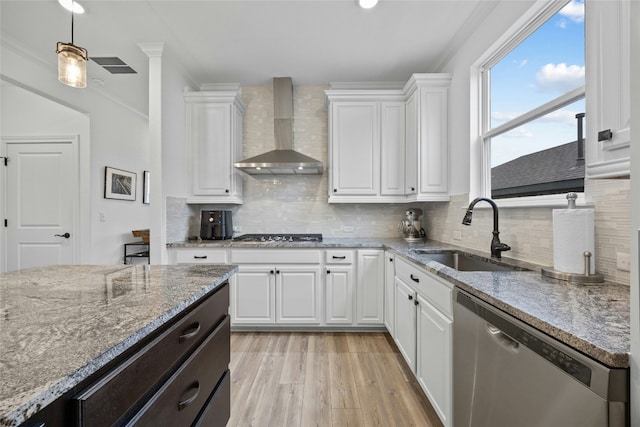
[(457, 235), (348, 228), (623, 262)]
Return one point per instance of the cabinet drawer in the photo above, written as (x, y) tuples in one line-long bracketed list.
[(149, 365), (338, 257), (217, 410), (275, 256), (409, 273), (437, 291), (200, 255), (180, 399)]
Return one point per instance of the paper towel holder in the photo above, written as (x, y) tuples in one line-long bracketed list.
[(585, 278)]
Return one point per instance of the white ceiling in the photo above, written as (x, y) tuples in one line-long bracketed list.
[(249, 42)]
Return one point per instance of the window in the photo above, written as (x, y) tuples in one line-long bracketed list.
[(533, 107)]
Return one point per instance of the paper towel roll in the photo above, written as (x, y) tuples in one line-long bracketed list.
[(573, 234)]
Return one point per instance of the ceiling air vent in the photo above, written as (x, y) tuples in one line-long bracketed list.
[(113, 64)]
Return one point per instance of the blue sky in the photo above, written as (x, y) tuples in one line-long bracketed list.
[(544, 66)]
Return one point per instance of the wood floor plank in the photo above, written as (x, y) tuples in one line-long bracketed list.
[(287, 406), (294, 368), (344, 393), (316, 404), (337, 343), (347, 418), (258, 412), (318, 343), (375, 411)]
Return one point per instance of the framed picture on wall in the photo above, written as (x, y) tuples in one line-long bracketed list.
[(145, 187), (119, 184)]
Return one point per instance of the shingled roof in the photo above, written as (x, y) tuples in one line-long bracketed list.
[(555, 170)]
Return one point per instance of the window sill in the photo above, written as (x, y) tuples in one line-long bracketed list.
[(557, 201)]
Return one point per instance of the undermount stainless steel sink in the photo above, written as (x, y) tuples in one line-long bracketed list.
[(465, 262)]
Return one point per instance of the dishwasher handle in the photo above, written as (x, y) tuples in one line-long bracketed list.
[(501, 338)]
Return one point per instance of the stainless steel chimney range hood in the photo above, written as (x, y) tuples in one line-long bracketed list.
[(283, 160)]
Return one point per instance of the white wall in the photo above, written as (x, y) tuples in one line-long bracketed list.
[(117, 137)]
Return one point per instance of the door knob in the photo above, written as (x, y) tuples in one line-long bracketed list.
[(65, 235)]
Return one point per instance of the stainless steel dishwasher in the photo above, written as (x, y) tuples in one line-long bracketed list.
[(508, 374)]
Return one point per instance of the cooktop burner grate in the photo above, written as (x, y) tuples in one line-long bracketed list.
[(279, 238)]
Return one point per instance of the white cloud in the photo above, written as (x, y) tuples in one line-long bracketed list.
[(519, 132), (503, 117), (521, 63), (561, 24), (574, 11), (560, 77)]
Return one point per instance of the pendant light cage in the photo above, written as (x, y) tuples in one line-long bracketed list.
[(72, 63)]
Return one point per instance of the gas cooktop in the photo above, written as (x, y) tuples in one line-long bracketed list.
[(279, 238)]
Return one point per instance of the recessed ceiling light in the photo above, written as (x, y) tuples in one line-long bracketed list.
[(71, 6), (367, 4)]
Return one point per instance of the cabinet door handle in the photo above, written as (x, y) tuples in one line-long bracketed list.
[(415, 279), (410, 297), (339, 257), (193, 391), (390, 259), (226, 191), (199, 257), (271, 272), (190, 332), (328, 271), (413, 188), (416, 302), (335, 190), (277, 271)]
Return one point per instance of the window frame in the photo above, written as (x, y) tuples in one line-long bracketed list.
[(480, 150)]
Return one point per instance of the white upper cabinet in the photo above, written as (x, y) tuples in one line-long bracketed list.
[(355, 151), (427, 160), (388, 145), (214, 136), (608, 115)]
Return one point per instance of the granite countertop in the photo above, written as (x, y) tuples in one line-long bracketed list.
[(61, 324), (592, 318)]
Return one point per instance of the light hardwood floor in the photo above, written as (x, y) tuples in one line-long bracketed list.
[(288, 379)]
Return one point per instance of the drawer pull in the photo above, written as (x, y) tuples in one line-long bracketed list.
[(190, 332), (410, 297), (200, 257), (340, 257), (415, 279), (194, 390)]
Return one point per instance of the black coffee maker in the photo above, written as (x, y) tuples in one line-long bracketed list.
[(216, 225)]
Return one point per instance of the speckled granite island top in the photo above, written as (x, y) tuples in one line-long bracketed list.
[(60, 324), (593, 319)]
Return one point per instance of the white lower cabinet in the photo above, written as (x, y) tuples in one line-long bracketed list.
[(339, 287), (276, 286), (253, 295), (370, 287), (405, 321), (434, 369), (423, 332), (389, 292)]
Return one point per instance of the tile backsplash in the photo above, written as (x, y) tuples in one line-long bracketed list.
[(529, 231)]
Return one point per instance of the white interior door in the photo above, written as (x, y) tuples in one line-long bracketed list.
[(41, 199)]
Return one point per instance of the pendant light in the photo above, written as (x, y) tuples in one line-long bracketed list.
[(72, 62)]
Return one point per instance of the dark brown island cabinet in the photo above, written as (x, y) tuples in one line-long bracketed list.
[(177, 377)]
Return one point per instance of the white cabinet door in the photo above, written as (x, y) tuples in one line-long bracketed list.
[(355, 148), (433, 146), (405, 322), (370, 287), (214, 136), (339, 294), (411, 145), (608, 102), (392, 158), (434, 355), (211, 159), (253, 295), (298, 294), (389, 292)]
